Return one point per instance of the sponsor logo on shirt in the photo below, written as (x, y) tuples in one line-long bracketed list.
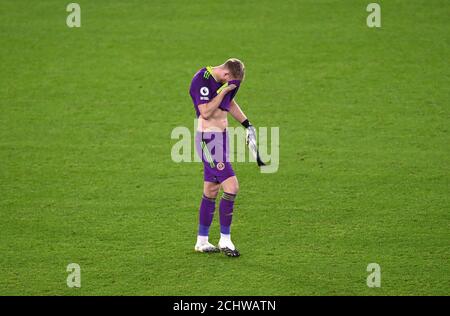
[(204, 91)]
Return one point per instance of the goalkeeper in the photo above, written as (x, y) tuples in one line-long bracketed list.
[(212, 91)]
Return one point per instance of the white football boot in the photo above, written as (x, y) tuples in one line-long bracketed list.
[(227, 246), (203, 245)]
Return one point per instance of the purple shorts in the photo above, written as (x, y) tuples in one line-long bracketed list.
[(213, 148)]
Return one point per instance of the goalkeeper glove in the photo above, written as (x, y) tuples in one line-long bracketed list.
[(251, 142)]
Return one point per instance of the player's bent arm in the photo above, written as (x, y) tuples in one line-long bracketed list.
[(207, 109), (236, 112), (238, 115)]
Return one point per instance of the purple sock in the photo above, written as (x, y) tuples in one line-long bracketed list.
[(226, 212), (207, 208)]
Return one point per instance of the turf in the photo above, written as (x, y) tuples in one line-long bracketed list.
[(86, 174)]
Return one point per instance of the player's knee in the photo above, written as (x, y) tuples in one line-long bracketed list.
[(231, 185), (211, 193), (234, 188)]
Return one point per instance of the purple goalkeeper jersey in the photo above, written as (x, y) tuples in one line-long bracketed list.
[(204, 88)]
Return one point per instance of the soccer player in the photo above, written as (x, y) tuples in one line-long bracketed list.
[(212, 91)]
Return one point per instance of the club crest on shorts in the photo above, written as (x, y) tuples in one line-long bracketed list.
[(220, 166)]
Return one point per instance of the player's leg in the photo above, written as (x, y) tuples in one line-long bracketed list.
[(207, 207), (208, 202), (230, 189), (206, 214)]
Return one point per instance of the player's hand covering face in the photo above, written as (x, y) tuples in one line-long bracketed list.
[(235, 82), (231, 90)]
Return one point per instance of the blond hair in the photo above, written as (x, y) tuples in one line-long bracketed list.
[(236, 68)]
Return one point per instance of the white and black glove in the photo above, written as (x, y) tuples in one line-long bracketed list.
[(251, 142)]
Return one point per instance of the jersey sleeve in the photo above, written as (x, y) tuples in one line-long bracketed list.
[(200, 91)]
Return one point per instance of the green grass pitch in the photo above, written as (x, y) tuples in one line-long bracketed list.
[(85, 169)]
